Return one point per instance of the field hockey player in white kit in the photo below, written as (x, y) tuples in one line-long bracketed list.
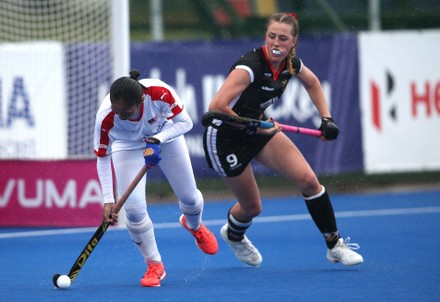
[(134, 116)]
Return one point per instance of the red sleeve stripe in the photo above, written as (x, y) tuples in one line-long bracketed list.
[(175, 109), (104, 141), (158, 93)]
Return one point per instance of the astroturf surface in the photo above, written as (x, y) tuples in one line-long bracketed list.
[(398, 233)]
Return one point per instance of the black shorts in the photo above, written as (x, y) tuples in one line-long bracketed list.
[(229, 150)]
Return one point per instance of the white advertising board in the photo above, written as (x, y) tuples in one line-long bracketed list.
[(33, 111), (400, 100)]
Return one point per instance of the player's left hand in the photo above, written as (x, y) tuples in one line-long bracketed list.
[(109, 215), (152, 155), (329, 129)]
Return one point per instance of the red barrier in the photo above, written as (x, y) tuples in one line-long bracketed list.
[(50, 193)]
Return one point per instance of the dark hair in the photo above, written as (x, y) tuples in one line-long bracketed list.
[(127, 89), (287, 18), (134, 74)]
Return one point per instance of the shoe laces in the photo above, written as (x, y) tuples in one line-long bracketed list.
[(245, 247), (350, 245), (154, 271), (202, 234)]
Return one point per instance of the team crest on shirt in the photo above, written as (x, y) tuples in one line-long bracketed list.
[(153, 120), (284, 83)]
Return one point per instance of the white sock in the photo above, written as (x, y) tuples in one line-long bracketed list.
[(193, 213), (142, 234)]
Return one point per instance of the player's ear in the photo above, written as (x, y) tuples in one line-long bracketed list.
[(295, 42)]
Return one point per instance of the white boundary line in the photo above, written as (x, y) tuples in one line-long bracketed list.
[(279, 218)]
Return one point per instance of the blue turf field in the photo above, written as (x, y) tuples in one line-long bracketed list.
[(399, 234)]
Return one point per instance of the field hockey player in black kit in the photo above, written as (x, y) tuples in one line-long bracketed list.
[(256, 81)]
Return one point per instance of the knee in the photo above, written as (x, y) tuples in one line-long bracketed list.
[(309, 184), (192, 205), (139, 226), (136, 212)]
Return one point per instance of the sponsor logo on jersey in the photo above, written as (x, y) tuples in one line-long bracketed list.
[(160, 127), (268, 103), (153, 120), (267, 88)]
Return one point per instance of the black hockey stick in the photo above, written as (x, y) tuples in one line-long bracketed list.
[(93, 242), (210, 116)]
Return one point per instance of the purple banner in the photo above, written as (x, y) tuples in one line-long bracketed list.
[(197, 69)]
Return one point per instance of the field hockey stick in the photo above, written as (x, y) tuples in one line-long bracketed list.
[(93, 242), (209, 116)]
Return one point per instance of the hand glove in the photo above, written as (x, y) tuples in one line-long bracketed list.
[(329, 129), (152, 154)]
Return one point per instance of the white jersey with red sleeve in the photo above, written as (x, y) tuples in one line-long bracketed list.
[(160, 106)]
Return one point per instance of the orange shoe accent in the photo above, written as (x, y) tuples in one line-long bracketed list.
[(154, 274), (205, 239)]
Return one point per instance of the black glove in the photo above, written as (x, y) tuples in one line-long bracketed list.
[(329, 129), (153, 140)]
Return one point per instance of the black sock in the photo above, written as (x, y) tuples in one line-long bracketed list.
[(331, 239), (321, 210), (236, 229)]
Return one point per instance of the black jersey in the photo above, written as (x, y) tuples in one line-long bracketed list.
[(228, 149), (266, 87)]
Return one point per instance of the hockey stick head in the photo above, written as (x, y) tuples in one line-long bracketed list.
[(55, 279), (93, 242), (208, 117), (61, 281)]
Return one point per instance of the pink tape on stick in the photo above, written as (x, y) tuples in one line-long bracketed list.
[(306, 131)]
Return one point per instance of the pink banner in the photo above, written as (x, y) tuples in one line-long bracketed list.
[(50, 193)]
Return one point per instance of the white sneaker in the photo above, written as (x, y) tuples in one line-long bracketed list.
[(244, 250), (343, 252)]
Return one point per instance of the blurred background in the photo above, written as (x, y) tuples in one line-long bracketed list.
[(229, 19), (377, 61), (246, 19)]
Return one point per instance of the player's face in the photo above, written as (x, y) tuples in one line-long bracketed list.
[(279, 41), (123, 111)]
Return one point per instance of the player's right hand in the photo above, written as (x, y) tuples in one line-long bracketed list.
[(270, 131)]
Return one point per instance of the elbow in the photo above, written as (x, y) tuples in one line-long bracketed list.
[(212, 107), (190, 125)]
